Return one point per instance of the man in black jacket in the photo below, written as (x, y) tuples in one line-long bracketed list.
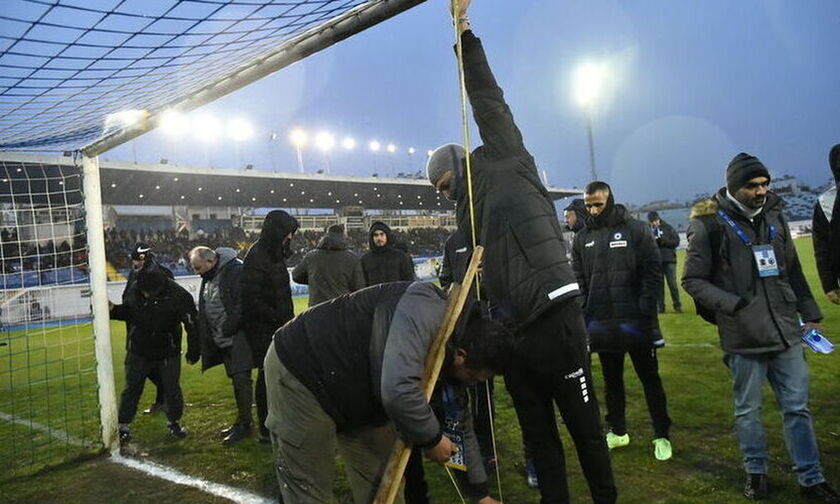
[(330, 270), (267, 295), (668, 240), (348, 372), (220, 329), (617, 265), (143, 259), (385, 262), (156, 307), (527, 280), (826, 235)]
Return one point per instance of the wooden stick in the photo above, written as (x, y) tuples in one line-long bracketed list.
[(392, 477)]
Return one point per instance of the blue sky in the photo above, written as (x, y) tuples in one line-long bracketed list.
[(692, 84)]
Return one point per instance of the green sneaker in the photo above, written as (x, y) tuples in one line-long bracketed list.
[(614, 441), (661, 448)]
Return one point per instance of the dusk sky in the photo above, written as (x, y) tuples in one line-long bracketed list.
[(691, 85)]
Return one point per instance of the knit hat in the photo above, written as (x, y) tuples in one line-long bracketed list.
[(834, 161), (140, 251), (742, 169), (443, 159), (652, 216)]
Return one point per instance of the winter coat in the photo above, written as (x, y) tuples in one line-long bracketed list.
[(753, 314), (330, 270), (266, 291), (668, 240), (220, 314), (617, 266), (526, 267), (456, 259), (155, 323), (826, 236), (362, 355), (151, 264), (385, 264)]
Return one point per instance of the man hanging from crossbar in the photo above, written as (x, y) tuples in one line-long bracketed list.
[(348, 373), (527, 280)]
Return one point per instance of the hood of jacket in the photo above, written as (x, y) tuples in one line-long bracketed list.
[(333, 241), (834, 163), (579, 208), (380, 226), (612, 215), (276, 226), (224, 255)]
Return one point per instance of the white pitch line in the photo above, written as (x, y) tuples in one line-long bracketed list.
[(151, 468), (690, 345)]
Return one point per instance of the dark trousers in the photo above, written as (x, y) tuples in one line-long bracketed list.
[(647, 369), (669, 271), (155, 378), (260, 399), (551, 366), (242, 390), (483, 411), (416, 488), (137, 369)]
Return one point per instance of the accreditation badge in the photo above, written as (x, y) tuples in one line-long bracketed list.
[(765, 260)]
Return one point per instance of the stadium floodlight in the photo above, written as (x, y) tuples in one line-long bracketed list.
[(348, 143), (240, 130), (411, 150), (324, 141), (374, 146), (125, 118), (174, 123), (206, 128), (298, 138), (588, 82), (392, 148)]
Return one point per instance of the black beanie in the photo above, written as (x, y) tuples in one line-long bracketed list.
[(742, 169), (834, 161), (652, 216)]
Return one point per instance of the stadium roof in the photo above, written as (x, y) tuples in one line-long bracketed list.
[(127, 183), (92, 75)]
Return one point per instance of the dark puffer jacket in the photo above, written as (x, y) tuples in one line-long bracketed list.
[(385, 264), (456, 259), (668, 241), (220, 314), (266, 291), (330, 270), (826, 227), (526, 267), (155, 322), (617, 265), (753, 314)]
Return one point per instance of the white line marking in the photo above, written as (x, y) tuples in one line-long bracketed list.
[(691, 345), (56, 433)]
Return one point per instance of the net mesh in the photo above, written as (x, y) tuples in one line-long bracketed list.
[(49, 408), (69, 67)]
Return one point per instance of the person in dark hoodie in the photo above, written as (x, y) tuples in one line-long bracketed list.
[(330, 270), (575, 215), (617, 265), (347, 373), (527, 280), (220, 329), (826, 234), (667, 239), (741, 264), (267, 295), (156, 307), (143, 259), (385, 262)]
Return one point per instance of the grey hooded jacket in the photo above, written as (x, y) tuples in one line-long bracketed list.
[(753, 314), (330, 270)]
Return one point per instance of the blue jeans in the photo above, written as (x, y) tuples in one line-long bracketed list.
[(787, 373)]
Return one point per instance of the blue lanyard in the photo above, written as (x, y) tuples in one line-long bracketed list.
[(450, 404), (740, 232)]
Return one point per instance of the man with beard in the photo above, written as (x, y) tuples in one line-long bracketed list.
[(330, 270), (667, 239), (385, 262), (143, 259), (220, 329), (267, 295), (345, 374), (617, 265), (826, 233), (527, 280), (742, 265)]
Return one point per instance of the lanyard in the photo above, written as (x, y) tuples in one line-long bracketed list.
[(450, 404), (740, 232)]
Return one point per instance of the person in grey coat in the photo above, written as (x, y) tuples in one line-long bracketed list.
[(347, 373), (742, 265), (220, 329), (330, 270)]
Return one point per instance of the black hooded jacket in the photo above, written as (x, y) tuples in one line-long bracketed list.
[(266, 291), (826, 225), (617, 265), (579, 208), (526, 267), (667, 241), (330, 270), (385, 264)]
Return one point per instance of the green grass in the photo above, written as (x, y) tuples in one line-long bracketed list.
[(706, 466)]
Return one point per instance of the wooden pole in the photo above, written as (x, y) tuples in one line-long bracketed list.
[(392, 477)]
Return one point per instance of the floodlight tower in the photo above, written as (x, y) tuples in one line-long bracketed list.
[(588, 83), (298, 138), (325, 142)]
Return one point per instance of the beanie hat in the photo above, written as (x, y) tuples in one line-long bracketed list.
[(652, 216), (445, 158), (834, 161), (336, 228), (742, 169), (140, 251)]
